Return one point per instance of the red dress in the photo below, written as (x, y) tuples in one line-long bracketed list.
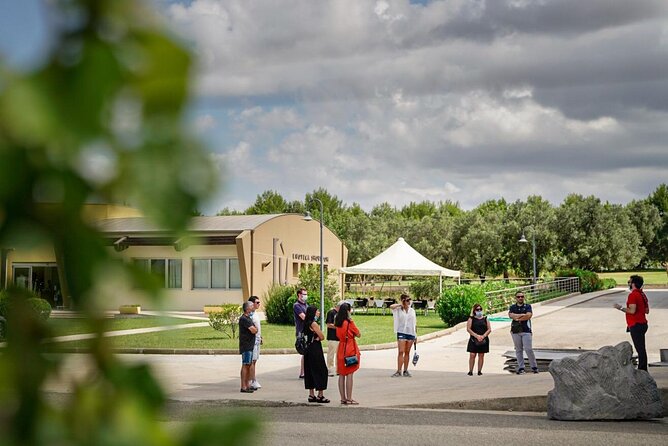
[(350, 347)]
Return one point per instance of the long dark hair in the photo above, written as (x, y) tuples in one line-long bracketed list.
[(342, 314), (310, 317)]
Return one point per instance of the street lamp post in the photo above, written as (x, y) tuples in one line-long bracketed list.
[(308, 217), (533, 247)]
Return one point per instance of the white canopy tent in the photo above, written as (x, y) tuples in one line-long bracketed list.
[(401, 259)]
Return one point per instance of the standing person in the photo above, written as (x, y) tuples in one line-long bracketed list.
[(405, 327), (299, 309), (255, 385), (479, 328), (346, 331), (520, 329), (247, 332), (332, 340), (637, 307), (315, 369)]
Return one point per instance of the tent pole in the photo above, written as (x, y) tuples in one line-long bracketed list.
[(440, 285)]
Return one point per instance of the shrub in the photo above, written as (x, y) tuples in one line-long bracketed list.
[(4, 303), (41, 307), (424, 289), (276, 304), (609, 283), (309, 278), (226, 320), (455, 304), (589, 280)]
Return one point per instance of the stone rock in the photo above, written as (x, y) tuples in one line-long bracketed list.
[(602, 385)]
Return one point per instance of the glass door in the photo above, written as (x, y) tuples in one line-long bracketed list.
[(23, 276)]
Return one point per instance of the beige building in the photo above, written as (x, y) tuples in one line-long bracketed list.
[(222, 260)]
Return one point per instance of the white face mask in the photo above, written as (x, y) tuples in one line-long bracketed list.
[(478, 314)]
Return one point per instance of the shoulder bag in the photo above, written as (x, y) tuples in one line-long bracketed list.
[(349, 361)]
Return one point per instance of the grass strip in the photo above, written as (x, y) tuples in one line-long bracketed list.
[(376, 329)]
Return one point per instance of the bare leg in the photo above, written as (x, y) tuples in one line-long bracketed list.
[(349, 387), (251, 372), (471, 362), (342, 387), (407, 353), (481, 362), (301, 370), (399, 355)]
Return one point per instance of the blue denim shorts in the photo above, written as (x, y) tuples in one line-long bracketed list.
[(247, 357), (405, 337)]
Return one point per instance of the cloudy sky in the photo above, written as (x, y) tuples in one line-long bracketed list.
[(399, 101)]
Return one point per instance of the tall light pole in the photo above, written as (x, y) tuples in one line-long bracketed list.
[(533, 247), (308, 217)]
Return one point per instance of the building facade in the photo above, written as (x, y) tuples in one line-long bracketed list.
[(221, 259)]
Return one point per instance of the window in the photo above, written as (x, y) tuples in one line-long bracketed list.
[(216, 273), (168, 271)]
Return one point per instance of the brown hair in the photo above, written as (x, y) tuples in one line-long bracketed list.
[(474, 307)]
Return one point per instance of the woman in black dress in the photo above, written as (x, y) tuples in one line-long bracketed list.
[(479, 328), (315, 368)]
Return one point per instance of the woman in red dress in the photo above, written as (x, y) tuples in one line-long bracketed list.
[(346, 331)]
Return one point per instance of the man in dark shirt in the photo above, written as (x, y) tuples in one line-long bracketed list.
[(247, 332), (522, 337), (299, 309), (332, 340)]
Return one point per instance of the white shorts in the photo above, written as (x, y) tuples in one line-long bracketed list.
[(256, 352)]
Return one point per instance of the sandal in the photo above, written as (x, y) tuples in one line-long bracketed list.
[(322, 400), (352, 402), (344, 402), (312, 399)]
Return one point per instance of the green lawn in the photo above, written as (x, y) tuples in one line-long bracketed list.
[(650, 277), (67, 326), (376, 329)]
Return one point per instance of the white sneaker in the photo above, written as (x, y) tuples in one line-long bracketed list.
[(256, 384)]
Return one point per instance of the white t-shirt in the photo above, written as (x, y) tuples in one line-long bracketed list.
[(256, 322), (404, 321)]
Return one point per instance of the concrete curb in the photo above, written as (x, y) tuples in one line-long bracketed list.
[(535, 403)]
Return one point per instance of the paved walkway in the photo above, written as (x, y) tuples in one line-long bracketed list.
[(586, 321)]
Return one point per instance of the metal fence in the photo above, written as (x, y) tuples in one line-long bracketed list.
[(500, 300)]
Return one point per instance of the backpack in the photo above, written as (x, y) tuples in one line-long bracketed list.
[(301, 344)]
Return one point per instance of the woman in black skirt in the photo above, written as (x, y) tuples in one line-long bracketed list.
[(479, 328), (315, 368)]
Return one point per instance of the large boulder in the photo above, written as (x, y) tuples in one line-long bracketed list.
[(602, 385)]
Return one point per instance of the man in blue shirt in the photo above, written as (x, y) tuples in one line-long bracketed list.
[(520, 330)]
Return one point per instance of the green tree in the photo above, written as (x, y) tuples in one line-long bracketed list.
[(658, 249), (477, 239), (647, 221), (596, 236), (112, 87), (268, 202), (536, 219), (417, 211)]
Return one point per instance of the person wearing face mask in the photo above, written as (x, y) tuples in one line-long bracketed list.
[(315, 368), (521, 314), (405, 326), (636, 309), (479, 328), (299, 309)]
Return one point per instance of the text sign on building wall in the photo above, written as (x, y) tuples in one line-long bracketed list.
[(309, 258)]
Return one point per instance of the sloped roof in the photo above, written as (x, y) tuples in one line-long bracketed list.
[(223, 223), (400, 259)]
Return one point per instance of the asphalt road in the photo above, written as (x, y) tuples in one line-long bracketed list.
[(311, 425)]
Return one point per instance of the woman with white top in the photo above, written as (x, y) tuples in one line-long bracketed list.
[(405, 326)]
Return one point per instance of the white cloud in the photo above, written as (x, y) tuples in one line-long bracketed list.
[(466, 100)]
